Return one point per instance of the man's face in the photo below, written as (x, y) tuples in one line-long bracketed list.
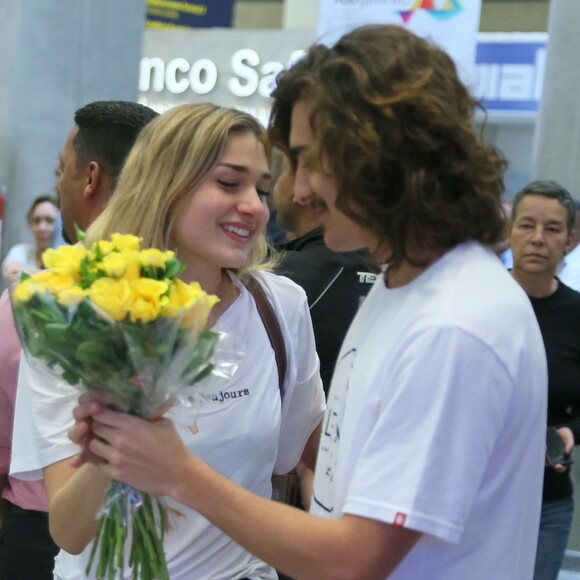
[(539, 237), (69, 185), (318, 187)]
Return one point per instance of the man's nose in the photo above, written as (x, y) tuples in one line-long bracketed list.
[(303, 193)]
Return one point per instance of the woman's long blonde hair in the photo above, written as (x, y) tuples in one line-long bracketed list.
[(171, 158)]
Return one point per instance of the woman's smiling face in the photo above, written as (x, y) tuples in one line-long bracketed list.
[(228, 211)]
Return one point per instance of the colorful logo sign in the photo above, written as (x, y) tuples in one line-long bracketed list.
[(448, 10)]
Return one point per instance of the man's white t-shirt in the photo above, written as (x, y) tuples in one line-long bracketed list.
[(436, 420), (244, 430)]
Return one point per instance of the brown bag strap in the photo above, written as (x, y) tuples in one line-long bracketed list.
[(272, 326)]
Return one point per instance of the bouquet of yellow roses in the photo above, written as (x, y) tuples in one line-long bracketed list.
[(113, 319)]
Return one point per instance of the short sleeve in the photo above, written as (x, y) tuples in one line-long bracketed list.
[(43, 417), (9, 361), (439, 419)]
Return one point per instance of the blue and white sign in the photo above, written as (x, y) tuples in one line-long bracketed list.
[(510, 71), (239, 68)]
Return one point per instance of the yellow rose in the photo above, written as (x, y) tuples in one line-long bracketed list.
[(114, 264), (143, 310), (42, 276), (133, 271), (146, 300), (191, 301), (65, 260), (24, 291), (39, 282), (111, 295), (197, 314), (71, 296), (154, 257), (102, 248), (59, 282), (148, 289), (182, 295), (43, 281), (125, 242)]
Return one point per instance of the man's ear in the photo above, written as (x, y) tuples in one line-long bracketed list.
[(570, 241), (94, 176)]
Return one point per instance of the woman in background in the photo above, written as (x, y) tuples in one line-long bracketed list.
[(27, 257), (541, 233)]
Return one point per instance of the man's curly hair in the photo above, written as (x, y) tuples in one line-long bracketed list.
[(394, 125)]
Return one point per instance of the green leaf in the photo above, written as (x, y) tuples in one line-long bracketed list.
[(57, 332), (204, 373), (81, 236), (88, 276), (99, 254), (149, 272), (173, 267), (92, 351), (71, 377)]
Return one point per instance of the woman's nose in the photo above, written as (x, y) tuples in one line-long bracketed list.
[(252, 202)]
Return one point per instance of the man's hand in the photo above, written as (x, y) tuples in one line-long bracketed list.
[(148, 455)]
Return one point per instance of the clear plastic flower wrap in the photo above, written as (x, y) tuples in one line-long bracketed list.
[(114, 320)]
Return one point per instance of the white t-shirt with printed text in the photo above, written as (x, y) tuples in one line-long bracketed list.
[(436, 420), (243, 430)]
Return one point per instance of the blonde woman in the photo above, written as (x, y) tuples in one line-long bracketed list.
[(196, 182)]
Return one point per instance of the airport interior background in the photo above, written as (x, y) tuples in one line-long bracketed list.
[(56, 55)]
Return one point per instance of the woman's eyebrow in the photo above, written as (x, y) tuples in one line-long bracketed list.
[(243, 169)]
